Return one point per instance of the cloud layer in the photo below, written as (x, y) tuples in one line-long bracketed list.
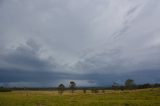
[(94, 42)]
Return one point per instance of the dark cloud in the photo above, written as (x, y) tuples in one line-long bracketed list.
[(23, 63), (140, 76)]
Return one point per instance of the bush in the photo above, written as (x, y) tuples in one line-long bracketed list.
[(4, 89)]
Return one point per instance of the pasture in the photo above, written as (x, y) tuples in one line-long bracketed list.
[(144, 97)]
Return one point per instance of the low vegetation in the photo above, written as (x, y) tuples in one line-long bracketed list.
[(5, 89), (141, 97)]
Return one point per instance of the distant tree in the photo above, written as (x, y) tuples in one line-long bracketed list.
[(61, 88), (156, 85), (94, 90), (2, 89), (129, 83), (121, 88), (72, 86), (115, 85), (103, 91), (84, 90), (142, 86)]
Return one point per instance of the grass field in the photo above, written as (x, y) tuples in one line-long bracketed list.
[(145, 97)]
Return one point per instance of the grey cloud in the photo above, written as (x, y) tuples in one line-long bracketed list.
[(104, 62), (24, 56), (78, 40)]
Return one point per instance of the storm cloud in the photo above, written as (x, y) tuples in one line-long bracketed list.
[(94, 42)]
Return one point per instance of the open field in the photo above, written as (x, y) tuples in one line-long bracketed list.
[(145, 97)]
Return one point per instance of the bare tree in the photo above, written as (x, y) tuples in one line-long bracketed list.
[(72, 86), (61, 88)]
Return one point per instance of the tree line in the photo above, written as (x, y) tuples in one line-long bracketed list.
[(128, 84)]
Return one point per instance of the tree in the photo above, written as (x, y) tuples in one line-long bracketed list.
[(72, 86), (103, 90), (94, 90), (61, 88), (84, 90), (129, 83), (115, 85)]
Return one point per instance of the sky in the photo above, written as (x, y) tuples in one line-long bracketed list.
[(93, 42)]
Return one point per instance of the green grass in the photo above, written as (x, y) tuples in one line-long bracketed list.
[(146, 97)]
